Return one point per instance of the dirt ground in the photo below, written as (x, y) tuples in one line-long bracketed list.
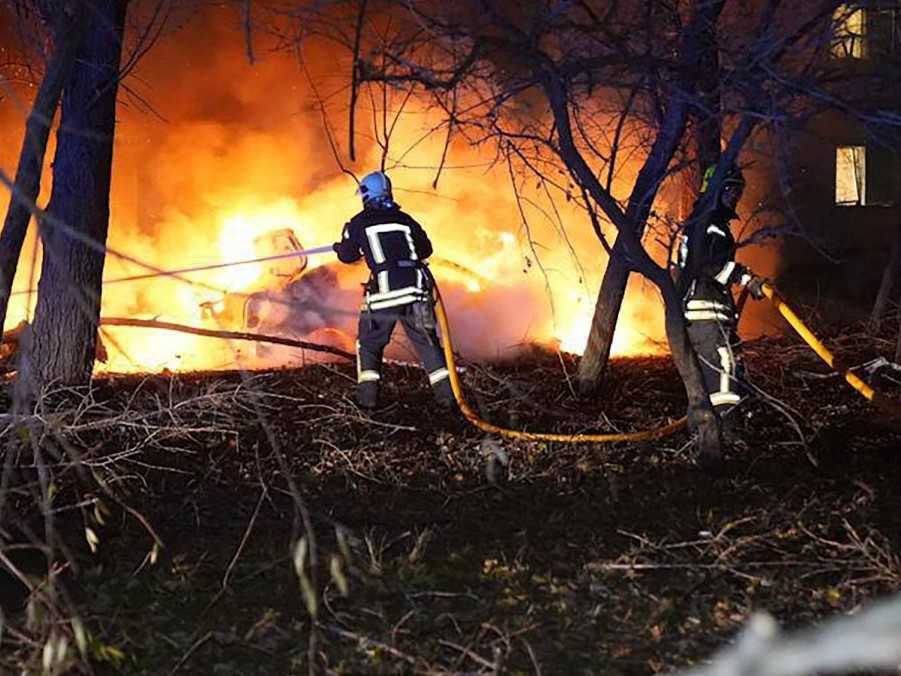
[(440, 550)]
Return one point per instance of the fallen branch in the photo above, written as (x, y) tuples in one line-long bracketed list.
[(229, 335)]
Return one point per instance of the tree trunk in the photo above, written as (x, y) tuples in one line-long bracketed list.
[(31, 157), (603, 323), (68, 309), (701, 417), (889, 275)]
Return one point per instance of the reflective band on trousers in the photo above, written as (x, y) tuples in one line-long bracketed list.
[(700, 315), (720, 398), (438, 376), (368, 376), (728, 368), (727, 372)]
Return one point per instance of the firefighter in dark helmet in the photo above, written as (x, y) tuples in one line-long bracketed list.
[(709, 306), (395, 247)]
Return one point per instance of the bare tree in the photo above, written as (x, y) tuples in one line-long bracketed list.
[(889, 53), (68, 308), (699, 104), (89, 61)]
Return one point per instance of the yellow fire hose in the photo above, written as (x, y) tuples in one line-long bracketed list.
[(473, 417), (658, 432), (821, 350)]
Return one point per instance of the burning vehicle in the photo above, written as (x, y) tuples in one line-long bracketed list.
[(290, 298), (320, 303)]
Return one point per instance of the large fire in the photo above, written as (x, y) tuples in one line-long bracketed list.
[(242, 154)]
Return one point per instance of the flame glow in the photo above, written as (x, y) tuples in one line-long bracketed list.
[(244, 156)]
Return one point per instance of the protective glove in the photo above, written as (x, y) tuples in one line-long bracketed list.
[(335, 246), (755, 287)]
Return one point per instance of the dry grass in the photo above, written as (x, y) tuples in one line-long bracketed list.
[(260, 523)]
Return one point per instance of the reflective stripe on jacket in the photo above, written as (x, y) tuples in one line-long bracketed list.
[(394, 245), (709, 294)]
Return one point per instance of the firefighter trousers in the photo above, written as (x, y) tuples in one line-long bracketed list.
[(719, 350), (374, 332)]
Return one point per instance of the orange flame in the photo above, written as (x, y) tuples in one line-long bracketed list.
[(244, 155)]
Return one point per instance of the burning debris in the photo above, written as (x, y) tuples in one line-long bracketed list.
[(289, 299)]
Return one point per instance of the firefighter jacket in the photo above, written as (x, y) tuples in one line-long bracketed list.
[(709, 294), (394, 246)]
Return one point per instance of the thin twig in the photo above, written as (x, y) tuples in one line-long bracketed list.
[(184, 658)]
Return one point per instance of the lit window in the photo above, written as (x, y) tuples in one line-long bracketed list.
[(850, 30), (871, 33), (865, 176), (850, 175)]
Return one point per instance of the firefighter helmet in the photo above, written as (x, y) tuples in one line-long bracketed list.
[(733, 177), (375, 188)]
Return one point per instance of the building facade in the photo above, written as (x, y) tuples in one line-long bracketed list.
[(843, 185)]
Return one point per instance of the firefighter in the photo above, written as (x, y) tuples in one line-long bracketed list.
[(708, 304), (395, 247)]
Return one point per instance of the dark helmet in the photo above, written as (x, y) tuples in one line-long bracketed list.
[(733, 176)]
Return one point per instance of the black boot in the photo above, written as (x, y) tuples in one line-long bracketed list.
[(733, 429), (708, 440), (444, 395), (368, 395)]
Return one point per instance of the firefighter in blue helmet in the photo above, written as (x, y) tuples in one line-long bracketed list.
[(395, 247), (708, 304)]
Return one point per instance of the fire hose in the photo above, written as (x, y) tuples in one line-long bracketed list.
[(822, 351), (473, 417), (644, 435)]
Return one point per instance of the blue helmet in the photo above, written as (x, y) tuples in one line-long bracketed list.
[(375, 189)]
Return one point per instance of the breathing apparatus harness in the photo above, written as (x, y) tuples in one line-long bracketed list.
[(423, 309)]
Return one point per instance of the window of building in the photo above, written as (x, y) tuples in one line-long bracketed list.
[(850, 27), (864, 176), (872, 32), (850, 175)]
